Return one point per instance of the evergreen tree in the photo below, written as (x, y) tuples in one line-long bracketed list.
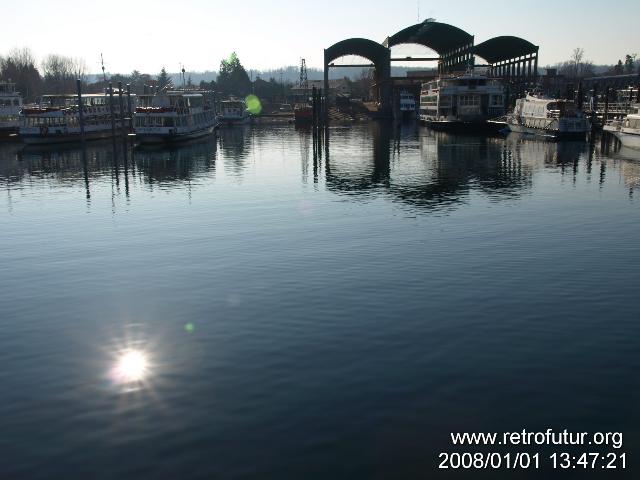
[(629, 62), (233, 78), (163, 79), (619, 68)]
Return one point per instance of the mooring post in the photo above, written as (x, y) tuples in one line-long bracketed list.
[(129, 109), (80, 109), (606, 106), (113, 119), (121, 107), (314, 107), (580, 95)]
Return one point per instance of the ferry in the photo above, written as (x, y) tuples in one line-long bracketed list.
[(10, 106), (56, 118), (626, 130), (407, 105), (540, 115), (174, 116), (466, 101), (233, 112)]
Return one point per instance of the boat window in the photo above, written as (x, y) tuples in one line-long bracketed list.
[(468, 100)]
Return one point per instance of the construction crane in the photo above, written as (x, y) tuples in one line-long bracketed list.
[(304, 82)]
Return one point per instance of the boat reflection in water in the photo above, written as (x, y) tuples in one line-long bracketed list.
[(97, 162)]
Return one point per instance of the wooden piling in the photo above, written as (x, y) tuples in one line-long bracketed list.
[(121, 107), (606, 106), (129, 109), (80, 109), (113, 119)]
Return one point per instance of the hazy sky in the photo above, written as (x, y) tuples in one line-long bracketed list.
[(270, 34)]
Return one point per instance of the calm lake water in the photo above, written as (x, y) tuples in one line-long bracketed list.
[(312, 315)]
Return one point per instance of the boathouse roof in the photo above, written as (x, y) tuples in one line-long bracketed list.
[(440, 37), (501, 48)]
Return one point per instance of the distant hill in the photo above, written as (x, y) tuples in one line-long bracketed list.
[(290, 74)]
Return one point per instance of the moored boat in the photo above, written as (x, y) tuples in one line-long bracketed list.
[(463, 101), (627, 130), (10, 105), (56, 118), (233, 112), (546, 116), (174, 116), (407, 105), (303, 113)]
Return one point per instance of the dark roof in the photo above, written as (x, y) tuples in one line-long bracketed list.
[(502, 48), (441, 37), (357, 46)]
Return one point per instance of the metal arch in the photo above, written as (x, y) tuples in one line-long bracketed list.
[(378, 54), (502, 48), (362, 47), (513, 58), (440, 37)]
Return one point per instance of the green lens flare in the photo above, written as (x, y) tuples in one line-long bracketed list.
[(189, 327), (254, 107)]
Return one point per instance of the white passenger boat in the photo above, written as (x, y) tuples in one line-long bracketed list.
[(10, 106), (175, 116), (552, 117), (407, 105), (56, 118), (627, 130), (233, 112), (467, 100)]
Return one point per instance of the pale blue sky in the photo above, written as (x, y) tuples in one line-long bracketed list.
[(151, 34)]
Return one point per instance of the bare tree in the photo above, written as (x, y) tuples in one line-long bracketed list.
[(576, 58), (60, 72)]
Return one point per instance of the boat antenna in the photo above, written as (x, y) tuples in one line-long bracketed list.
[(104, 77)]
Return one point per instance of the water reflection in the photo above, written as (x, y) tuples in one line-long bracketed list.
[(72, 163), (235, 143), (412, 165), (178, 164)]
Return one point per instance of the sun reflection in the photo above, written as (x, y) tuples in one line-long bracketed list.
[(131, 366)]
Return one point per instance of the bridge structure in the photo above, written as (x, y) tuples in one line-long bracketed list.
[(513, 59)]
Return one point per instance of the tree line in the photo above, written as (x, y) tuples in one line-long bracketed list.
[(578, 67)]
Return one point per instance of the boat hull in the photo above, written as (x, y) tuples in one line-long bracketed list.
[(555, 133), (458, 126), (627, 139), (154, 139), (225, 121), (56, 138)]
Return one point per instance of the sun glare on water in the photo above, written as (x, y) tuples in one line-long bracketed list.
[(131, 366)]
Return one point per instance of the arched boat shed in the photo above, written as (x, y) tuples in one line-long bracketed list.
[(512, 58)]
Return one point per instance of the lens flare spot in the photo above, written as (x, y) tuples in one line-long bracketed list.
[(254, 106), (189, 327), (131, 366)]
